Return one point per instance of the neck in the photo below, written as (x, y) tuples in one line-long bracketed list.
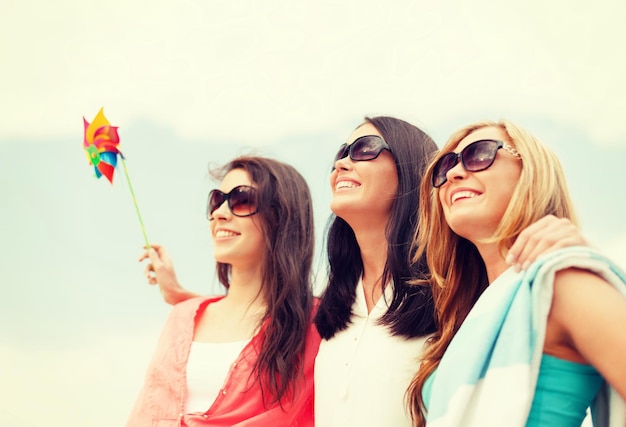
[(246, 289), (493, 259), (373, 246)]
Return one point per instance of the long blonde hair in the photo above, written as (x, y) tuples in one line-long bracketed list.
[(458, 274)]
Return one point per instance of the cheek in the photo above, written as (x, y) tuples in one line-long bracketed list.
[(512, 176), (503, 198), (388, 182), (510, 182), (393, 187), (258, 231)]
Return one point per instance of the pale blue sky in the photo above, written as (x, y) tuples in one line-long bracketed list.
[(194, 83)]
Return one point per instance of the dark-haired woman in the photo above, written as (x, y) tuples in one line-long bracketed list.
[(246, 358)]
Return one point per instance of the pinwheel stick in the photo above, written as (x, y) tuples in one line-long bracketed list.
[(130, 186)]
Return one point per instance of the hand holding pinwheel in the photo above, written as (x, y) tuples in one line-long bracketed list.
[(100, 142)]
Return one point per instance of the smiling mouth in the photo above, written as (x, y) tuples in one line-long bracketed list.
[(463, 195), (225, 233), (346, 184)]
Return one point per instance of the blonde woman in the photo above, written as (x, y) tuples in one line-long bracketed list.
[(532, 348)]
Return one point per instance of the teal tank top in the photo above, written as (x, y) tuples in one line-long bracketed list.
[(564, 391)]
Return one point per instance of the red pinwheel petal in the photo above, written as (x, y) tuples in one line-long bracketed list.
[(106, 170)]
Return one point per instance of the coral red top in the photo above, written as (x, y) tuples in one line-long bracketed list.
[(161, 401)]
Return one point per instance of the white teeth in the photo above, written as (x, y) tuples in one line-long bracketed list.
[(224, 233), (463, 195), (345, 184)]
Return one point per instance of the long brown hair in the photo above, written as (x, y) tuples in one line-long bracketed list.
[(285, 215), (411, 311), (458, 273)]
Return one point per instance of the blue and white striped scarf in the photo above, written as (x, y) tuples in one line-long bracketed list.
[(488, 374)]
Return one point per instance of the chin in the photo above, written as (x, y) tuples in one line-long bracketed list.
[(463, 227), (339, 207), (222, 258), (346, 211)]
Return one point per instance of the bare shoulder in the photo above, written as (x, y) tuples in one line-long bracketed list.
[(572, 281), (581, 295), (585, 317)]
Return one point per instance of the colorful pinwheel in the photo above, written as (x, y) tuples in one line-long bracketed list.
[(100, 142)]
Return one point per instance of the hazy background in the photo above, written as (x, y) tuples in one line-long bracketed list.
[(193, 83)]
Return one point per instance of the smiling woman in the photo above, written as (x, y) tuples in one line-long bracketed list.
[(466, 204), (527, 348), (237, 238), (245, 358), (372, 322)]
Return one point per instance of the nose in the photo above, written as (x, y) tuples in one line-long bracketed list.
[(221, 212), (345, 163), (456, 173)]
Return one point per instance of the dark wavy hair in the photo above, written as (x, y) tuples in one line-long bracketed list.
[(411, 311), (285, 216)]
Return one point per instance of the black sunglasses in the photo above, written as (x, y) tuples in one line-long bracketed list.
[(363, 148), (476, 157), (242, 201)]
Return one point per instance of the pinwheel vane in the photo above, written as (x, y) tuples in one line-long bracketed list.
[(100, 142)]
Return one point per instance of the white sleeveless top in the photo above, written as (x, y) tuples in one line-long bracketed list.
[(207, 368), (362, 373)]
